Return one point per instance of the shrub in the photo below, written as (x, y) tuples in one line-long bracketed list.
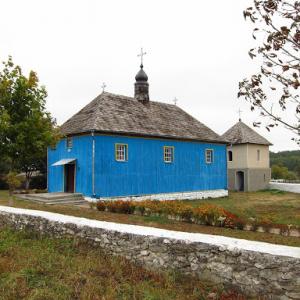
[(120, 206), (208, 214), (13, 181), (38, 182), (101, 206), (186, 213)]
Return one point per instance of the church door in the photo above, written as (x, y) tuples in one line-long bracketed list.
[(239, 183), (70, 178)]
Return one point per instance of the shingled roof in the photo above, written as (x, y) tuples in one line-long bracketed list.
[(240, 133), (116, 114)]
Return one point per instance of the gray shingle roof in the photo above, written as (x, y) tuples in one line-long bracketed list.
[(110, 113), (240, 133)]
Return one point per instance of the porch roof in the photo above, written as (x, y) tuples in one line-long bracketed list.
[(63, 161)]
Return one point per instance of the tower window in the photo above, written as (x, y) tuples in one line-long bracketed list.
[(121, 152), (209, 156), (258, 155), (168, 154), (230, 155)]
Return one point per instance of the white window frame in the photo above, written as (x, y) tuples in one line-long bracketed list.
[(209, 156), (121, 152), (169, 154), (69, 142)]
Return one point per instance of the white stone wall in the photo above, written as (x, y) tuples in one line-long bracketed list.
[(256, 268), (171, 196), (288, 187)]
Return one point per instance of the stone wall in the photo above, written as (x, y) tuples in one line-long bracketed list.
[(173, 196), (288, 187), (253, 267)]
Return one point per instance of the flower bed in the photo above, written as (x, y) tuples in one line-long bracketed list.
[(205, 214)]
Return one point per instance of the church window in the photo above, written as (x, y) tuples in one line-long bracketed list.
[(258, 155), (209, 156), (168, 154), (229, 155), (121, 152), (69, 142)]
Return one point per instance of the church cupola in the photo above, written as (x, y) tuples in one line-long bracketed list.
[(141, 86)]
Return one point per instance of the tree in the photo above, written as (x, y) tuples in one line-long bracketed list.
[(27, 129), (274, 90), (279, 172)]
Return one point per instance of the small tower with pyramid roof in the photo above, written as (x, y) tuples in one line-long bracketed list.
[(248, 158)]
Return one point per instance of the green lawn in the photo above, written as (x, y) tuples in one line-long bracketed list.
[(161, 222), (43, 269), (278, 207)]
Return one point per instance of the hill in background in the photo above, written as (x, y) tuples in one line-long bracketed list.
[(285, 165)]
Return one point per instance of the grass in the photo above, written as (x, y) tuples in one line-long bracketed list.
[(274, 206), (161, 222), (35, 268)]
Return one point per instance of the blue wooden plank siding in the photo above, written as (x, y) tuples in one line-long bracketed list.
[(82, 151), (144, 172)]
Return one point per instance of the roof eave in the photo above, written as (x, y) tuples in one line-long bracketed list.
[(132, 134)]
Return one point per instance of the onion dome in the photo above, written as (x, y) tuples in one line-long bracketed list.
[(141, 75)]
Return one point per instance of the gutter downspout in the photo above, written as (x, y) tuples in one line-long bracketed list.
[(93, 164)]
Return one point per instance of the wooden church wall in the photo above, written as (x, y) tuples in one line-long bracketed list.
[(145, 171), (82, 151)]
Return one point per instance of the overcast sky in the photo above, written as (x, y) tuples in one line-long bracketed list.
[(196, 52)]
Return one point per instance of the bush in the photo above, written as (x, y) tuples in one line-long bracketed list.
[(101, 206), (38, 182), (208, 214), (13, 181), (119, 206)]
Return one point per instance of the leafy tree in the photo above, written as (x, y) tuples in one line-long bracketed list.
[(279, 172), (275, 88), (26, 127), (288, 159)]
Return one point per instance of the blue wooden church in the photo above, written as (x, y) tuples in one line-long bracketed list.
[(119, 146)]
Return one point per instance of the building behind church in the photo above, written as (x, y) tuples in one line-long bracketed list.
[(119, 146), (248, 159)]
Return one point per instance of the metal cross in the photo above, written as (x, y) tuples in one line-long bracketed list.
[(103, 87), (175, 101), (142, 55), (240, 114)]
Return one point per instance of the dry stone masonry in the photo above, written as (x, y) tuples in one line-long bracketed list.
[(253, 267)]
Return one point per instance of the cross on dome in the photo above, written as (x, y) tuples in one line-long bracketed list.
[(141, 55)]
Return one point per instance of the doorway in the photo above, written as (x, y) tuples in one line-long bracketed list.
[(70, 178), (240, 186)]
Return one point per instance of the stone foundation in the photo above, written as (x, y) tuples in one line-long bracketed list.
[(171, 196), (255, 268)]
